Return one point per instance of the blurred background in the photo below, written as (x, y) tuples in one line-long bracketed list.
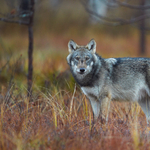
[(120, 28)]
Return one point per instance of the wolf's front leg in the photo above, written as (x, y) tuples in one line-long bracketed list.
[(100, 107), (95, 104)]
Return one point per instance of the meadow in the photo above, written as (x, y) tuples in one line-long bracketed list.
[(59, 116)]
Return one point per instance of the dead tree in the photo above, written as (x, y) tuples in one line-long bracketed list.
[(142, 31), (139, 17), (23, 14), (30, 49)]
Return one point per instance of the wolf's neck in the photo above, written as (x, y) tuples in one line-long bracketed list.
[(90, 79)]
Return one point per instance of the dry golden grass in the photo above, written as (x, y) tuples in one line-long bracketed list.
[(62, 120), (59, 116)]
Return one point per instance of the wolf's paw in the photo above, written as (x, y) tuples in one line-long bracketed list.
[(112, 61)]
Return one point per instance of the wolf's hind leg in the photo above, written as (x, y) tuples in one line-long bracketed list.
[(145, 105), (105, 106)]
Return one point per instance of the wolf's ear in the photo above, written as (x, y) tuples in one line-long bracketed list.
[(92, 46), (72, 46)]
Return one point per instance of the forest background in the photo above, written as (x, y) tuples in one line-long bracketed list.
[(58, 116)]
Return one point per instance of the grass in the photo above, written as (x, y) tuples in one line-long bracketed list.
[(59, 116), (62, 120)]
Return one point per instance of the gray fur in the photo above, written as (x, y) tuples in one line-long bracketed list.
[(103, 80)]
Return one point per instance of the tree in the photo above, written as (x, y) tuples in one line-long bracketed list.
[(134, 12), (22, 12)]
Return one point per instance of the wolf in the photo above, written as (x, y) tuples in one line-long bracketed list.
[(103, 80)]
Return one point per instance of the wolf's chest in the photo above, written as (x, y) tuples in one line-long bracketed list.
[(91, 91)]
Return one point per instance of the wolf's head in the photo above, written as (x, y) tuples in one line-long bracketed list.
[(81, 58)]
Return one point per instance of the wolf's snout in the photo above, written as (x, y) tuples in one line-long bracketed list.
[(82, 70)]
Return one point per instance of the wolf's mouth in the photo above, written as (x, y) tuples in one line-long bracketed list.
[(81, 73)]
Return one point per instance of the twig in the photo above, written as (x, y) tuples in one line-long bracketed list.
[(115, 21), (4, 66), (72, 100), (14, 21), (124, 4)]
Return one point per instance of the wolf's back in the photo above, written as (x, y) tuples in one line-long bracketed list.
[(131, 73)]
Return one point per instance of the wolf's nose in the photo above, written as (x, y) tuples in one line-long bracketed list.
[(82, 70)]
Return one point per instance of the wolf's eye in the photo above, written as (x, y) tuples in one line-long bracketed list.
[(87, 57), (77, 57)]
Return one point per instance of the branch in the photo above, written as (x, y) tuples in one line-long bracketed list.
[(115, 21), (14, 21), (124, 4), (4, 65)]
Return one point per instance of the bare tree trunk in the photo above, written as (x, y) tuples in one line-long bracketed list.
[(26, 5), (142, 32), (30, 49)]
